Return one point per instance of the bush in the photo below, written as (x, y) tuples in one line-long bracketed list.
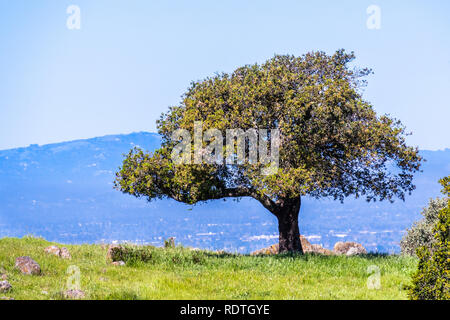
[(168, 256), (432, 279), (130, 253), (421, 233), (169, 243)]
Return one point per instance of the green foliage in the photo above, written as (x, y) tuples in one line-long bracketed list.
[(131, 253), (169, 243), (332, 141), (169, 255), (432, 279), (421, 233), (183, 273)]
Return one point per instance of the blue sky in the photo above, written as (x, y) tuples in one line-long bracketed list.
[(132, 59)]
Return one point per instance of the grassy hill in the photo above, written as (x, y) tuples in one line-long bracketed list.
[(182, 273)]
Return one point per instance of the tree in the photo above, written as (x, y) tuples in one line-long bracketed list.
[(332, 143), (432, 279), (421, 233)]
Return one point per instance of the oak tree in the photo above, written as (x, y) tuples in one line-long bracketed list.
[(332, 142)]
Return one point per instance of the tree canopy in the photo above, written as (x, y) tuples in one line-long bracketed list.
[(332, 142)]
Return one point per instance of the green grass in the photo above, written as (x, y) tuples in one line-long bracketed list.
[(180, 273)]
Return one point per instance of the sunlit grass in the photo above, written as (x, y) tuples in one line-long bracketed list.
[(180, 273)]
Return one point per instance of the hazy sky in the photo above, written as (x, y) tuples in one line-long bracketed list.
[(132, 59)]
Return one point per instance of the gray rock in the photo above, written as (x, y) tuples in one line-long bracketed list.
[(74, 294), (53, 250), (5, 286), (26, 265), (349, 248), (64, 253), (60, 252), (307, 247)]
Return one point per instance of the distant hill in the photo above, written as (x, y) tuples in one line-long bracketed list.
[(63, 192)]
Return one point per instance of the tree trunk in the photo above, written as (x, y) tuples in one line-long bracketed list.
[(289, 239)]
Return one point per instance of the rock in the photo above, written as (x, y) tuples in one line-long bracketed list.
[(349, 248), (27, 265), (319, 249), (113, 252), (5, 286), (63, 252), (118, 263), (6, 298), (53, 250), (74, 294), (273, 249), (306, 246)]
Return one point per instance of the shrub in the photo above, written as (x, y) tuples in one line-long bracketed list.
[(169, 243), (432, 279), (421, 233), (130, 253), (168, 256)]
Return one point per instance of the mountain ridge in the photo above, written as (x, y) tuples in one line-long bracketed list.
[(128, 134)]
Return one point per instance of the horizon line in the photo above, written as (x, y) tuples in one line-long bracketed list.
[(31, 145)]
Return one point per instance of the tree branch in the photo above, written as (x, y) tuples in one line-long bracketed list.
[(238, 192)]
